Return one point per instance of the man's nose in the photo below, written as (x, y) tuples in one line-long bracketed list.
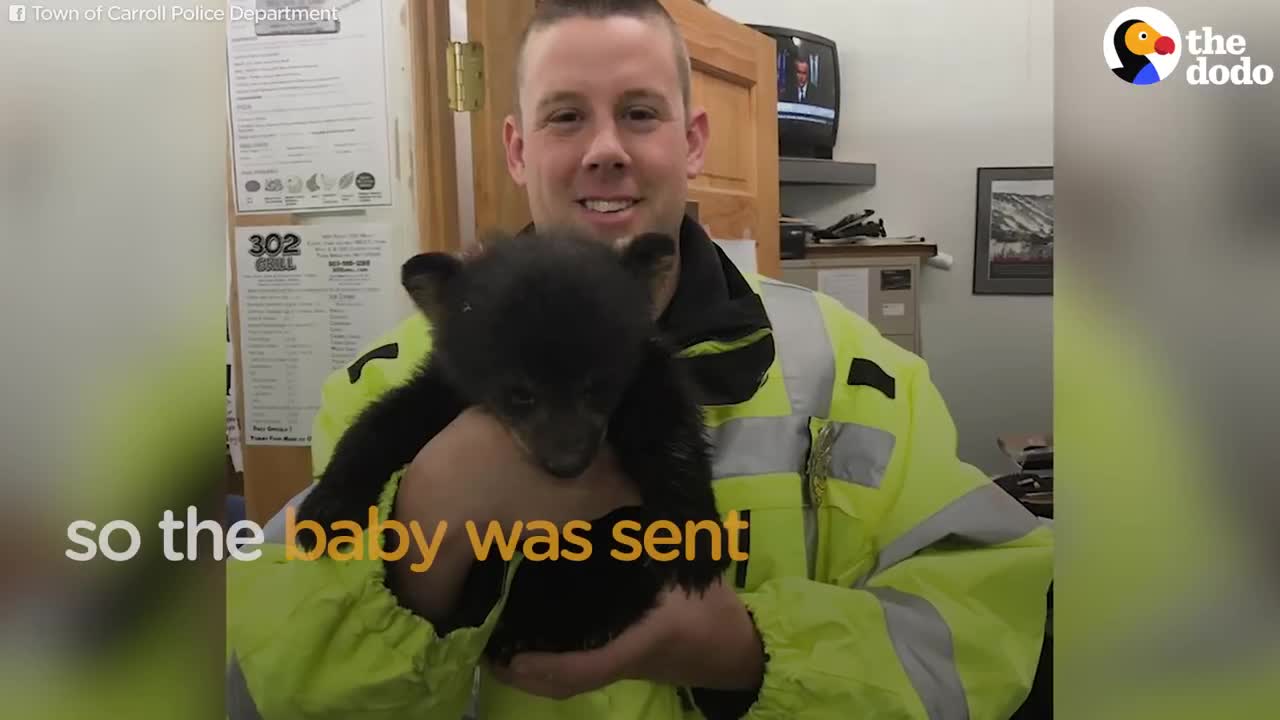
[(606, 150)]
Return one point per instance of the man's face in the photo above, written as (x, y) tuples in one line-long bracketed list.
[(802, 73), (604, 143)]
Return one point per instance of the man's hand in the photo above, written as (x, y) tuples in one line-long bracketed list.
[(706, 641), (473, 471)]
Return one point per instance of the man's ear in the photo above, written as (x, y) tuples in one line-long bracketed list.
[(650, 257), (697, 134), (427, 278), (513, 141)]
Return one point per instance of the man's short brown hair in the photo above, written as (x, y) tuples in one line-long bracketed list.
[(550, 12)]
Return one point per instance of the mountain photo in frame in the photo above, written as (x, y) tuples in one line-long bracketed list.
[(1013, 240)]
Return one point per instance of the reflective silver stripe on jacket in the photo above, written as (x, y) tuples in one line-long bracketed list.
[(853, 453), (923, 644), (804, 349), (760, 445), (984, 516)]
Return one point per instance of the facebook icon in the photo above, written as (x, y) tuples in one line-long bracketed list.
[(17, 13)]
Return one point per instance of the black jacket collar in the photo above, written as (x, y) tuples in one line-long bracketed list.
[(713, 300)]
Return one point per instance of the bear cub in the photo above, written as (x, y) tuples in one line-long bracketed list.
[(554, 334)]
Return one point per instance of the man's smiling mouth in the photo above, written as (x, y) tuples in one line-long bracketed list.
[(608, 206)]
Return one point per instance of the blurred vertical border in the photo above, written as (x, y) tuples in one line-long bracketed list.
[(1166, 349), (113, 219)]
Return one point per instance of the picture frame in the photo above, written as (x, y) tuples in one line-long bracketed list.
[(1013, 235)]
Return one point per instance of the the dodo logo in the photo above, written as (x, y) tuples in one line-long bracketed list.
[(1142, 46)]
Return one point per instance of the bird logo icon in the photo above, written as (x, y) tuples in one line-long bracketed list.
[(1142, 46)]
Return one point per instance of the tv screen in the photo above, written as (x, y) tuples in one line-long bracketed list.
[(808, 75)]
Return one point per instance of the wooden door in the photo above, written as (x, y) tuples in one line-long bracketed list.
[(733, 78), (496, 25)]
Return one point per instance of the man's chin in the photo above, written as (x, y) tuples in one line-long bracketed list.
[(611, 237)]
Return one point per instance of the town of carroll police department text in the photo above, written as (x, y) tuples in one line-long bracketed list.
[(178, 13)]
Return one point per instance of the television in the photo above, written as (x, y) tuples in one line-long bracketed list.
[(808, 74)]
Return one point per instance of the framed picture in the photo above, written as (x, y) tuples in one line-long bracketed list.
[(1013, 241)]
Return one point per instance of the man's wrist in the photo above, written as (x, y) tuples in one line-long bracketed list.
[(744, 661), (744, 676), (429, 590)]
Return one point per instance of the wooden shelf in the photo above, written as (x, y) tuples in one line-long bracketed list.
[(808, 171)]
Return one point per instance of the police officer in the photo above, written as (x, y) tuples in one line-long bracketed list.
[(885, 578)]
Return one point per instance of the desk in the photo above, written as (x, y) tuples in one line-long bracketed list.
[(892, 280)]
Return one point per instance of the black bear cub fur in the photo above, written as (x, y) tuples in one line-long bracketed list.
[(554, 335)]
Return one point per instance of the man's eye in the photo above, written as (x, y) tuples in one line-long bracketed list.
[(641, 114), (564, 116)]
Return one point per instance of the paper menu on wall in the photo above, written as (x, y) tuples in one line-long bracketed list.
[(311, 297), (851, 286), (307, 104)]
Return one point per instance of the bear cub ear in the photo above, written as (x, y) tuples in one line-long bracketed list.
[(650, 257), (427, 278)]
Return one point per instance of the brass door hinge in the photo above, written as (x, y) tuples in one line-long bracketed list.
[(466, 76)]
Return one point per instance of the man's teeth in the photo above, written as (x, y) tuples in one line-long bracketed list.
[(608, 205)]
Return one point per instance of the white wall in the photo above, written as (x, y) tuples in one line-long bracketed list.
[(932, 91)]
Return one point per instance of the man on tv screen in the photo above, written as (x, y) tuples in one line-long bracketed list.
[(802, 88)]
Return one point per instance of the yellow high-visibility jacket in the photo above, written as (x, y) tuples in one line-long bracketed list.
[(887, 578)]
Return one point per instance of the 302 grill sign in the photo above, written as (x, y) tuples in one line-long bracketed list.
[(274, 251)]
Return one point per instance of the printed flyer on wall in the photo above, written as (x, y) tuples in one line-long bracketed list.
[(311, 297), (307, 102)]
